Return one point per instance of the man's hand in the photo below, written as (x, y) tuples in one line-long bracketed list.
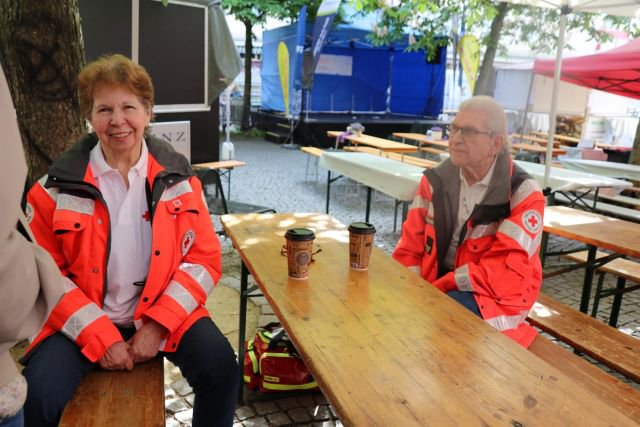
[(145, 343), (117, 358)]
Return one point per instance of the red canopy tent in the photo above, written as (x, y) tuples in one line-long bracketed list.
[(615, 71)]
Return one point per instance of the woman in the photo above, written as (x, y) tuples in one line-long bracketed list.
[(126, 222)]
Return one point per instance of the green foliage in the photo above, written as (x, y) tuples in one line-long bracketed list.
[(536, 27), (256, 12)]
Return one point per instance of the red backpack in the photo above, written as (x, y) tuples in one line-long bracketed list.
[(272, 363)]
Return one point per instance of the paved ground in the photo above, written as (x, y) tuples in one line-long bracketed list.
[(278, 178)]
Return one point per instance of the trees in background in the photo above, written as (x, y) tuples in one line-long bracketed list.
[(253, 13), (496, 24), (42, 53)]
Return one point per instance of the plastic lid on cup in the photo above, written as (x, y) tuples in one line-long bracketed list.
[(299, 234), (362, 228)]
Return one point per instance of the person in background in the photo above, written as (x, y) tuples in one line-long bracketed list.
[(30, 283), (475, 226), (126, 221)]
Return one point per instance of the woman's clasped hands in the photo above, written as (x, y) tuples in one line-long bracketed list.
[(142, 346)]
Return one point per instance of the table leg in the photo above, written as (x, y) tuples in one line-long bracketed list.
[(588, 280), (405, 211), (328, 189), (617, 302), (543, 247), (366, 218), (229, 185), (244, 280)]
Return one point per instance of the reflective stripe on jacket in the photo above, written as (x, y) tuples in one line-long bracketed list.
[(70, 219), (497, 256)]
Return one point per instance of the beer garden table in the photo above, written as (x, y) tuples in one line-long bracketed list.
[(387, 348)]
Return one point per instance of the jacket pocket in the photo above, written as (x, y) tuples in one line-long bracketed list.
[(65, 222), (516, 264)]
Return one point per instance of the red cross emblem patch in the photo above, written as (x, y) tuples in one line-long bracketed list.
[(187, 242), (532, 221)]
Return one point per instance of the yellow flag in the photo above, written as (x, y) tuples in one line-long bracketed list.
[(469, 51), (283, 69)]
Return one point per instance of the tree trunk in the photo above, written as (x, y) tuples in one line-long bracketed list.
[(42, 50), (634, 157), (483, 85), (248, 55)]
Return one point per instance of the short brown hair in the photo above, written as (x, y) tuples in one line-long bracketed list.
[(116, 70)]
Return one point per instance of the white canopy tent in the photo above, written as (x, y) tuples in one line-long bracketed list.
[(609, 7), (532, 97)]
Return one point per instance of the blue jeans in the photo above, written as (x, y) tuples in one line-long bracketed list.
[(15, 421), (55, 368), (466, 299)]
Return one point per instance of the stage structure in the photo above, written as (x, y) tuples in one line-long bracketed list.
[(384, 88)]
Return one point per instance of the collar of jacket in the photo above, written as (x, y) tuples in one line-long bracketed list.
[(495, 204), (499, 189), (72, 165)]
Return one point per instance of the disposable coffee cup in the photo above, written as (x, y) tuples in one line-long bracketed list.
[(360, 243), (436, 133), (299, 242)]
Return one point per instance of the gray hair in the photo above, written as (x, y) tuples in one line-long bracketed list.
[(496, 117)]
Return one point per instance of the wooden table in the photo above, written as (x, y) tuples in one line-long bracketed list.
[(374, 141), (412, 160), (563, 138), (387, 348), (395, 179), (538, 149), (596, 231), (228, 165), (533, 139), (422, 139)]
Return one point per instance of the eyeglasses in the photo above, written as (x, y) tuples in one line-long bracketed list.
[(467, 133)]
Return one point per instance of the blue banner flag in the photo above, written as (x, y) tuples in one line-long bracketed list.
[(326, 12), (297, 63)]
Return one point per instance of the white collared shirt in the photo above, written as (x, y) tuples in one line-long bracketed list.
[(470, 196), (130, 233)]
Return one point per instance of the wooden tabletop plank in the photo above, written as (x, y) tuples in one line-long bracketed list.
[(532, 138), (564, 138), (387, 348), (224, 164), (538, 149), (417, 161), (549, 312), (374, 141), (314, 151), (604, 232), (422, 139)]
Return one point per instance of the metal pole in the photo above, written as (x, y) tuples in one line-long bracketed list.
[(564, 11)]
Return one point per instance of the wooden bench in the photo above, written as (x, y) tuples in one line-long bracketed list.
[(634, 190), (624, 201), (312, 151), (404, 158), (590, 336), (432, 150), (597, 382), (533, 139), (623, 269), (537, 149), (119, 398), (601, 207)]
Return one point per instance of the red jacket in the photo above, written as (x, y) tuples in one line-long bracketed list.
[(70, 219), (497, 256)]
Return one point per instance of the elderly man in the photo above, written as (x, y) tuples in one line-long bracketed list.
[(475, 225)]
